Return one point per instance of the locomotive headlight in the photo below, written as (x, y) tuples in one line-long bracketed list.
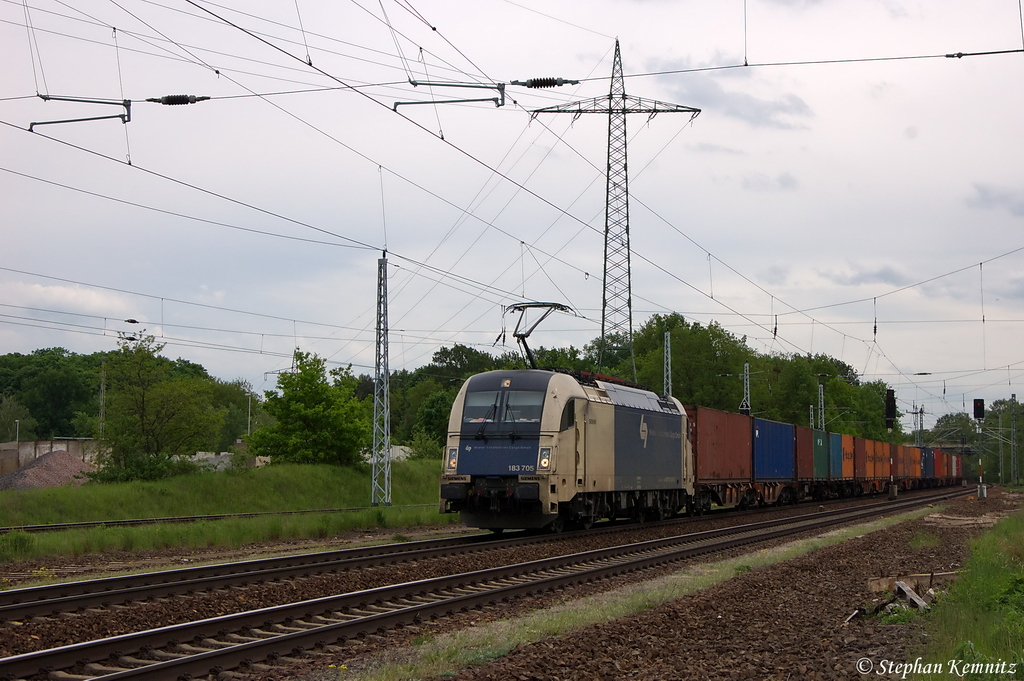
[(544, 460), (453, 459)]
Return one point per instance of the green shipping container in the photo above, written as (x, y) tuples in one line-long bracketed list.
[(820, 455)]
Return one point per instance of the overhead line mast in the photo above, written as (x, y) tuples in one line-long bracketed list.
[(380, 457), (617, 305)]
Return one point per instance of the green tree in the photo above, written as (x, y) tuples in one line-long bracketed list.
[(707, 361), (15, 420), (241, 407), (316, 416), (563, 358), (152, 415), (432, 415), (460, 362), (54, 385), (956, 428)]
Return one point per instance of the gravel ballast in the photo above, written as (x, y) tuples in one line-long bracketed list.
[(785, 621)]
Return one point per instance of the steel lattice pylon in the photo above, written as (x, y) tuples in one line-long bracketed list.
[(380, 458), (616, 305)]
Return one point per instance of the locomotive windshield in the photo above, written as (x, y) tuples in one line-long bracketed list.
[(490, 412)]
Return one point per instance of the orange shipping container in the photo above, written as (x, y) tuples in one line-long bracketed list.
[(882, 455), (915, 462), (848, 457)]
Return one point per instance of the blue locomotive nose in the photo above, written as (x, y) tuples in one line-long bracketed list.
[(498, 457)]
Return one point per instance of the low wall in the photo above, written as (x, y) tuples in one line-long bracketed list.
[(14, 455)]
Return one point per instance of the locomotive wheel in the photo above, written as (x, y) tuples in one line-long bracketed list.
[(557, 526)]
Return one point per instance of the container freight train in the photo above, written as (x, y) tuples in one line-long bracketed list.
[(534, 449)]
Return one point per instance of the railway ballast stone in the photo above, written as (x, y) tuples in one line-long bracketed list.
[(53, 469), (778, 622)]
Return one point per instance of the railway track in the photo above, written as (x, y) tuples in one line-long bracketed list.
[(41, 601), (216, 646), (137, 522)]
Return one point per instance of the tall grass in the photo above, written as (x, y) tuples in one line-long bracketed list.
[(270, 489), (981, 619)]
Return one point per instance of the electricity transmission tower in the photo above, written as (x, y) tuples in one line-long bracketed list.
[(380, 458), (616, 305)]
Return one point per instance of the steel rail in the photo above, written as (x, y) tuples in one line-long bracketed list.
[(135, 522), (294, 628), (19, 604)]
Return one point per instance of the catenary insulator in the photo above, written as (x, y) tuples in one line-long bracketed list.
[(174, 100), (544, 82)]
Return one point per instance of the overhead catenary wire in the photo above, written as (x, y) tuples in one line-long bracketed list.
[(33, 50), (535, 258), (787, 62)]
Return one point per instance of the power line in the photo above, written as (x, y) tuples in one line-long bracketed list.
[(817, 62)]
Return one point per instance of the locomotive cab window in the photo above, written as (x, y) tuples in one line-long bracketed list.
[(508, 410), (481, 407), (568, 416), (524, 406)]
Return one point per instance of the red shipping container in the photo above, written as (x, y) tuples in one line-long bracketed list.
[(722, 445), (860, 458), (804, 453), (848, 457), (915, 462)]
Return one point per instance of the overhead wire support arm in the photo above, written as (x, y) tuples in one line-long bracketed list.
[(125, 117), (499, 101)]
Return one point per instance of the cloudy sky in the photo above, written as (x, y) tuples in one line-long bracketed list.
[(847, 188)]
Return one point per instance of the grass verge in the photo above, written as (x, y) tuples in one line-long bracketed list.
[(270, 489), (981, 620), (444, 655)]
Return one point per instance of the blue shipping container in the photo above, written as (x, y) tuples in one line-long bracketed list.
[(927, 462), (835, 456), (774, 450)]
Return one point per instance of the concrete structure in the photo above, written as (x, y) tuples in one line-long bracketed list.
[(14, 455)]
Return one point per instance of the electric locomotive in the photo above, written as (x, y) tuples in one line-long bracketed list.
[(533, 448)]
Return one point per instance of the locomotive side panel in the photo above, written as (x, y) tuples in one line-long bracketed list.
[(598, 433), (648, 450)]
